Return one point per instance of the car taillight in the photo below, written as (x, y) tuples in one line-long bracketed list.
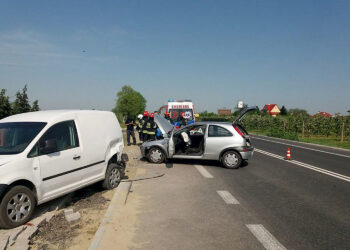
[(238, 131)]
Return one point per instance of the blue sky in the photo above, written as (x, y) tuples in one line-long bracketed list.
[(293, 53)]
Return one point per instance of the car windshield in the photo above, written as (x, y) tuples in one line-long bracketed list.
[(16, 136), (175, 114)]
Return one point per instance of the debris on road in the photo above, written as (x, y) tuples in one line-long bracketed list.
[(73, 217)]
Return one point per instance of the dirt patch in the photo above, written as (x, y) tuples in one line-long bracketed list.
[(91, 203), (50, 234)]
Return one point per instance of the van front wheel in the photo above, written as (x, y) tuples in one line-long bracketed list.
[(16, 207), (113, 176)]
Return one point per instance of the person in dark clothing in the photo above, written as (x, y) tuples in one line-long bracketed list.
[(130, 123)]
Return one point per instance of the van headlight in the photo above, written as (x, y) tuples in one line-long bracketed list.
[(248, 144)]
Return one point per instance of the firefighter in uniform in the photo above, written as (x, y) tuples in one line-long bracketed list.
[(139, 126), (151, 127), (144, 132)]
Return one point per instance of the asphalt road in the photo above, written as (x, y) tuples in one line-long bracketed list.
[(270, 203)]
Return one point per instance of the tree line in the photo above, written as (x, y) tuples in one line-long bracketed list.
[(19, 105)]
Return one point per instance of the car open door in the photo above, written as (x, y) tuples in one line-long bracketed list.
[(244, 112), (171, 145)]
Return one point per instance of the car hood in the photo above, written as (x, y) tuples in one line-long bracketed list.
[(4, 159), (163, 124), (244, 112)]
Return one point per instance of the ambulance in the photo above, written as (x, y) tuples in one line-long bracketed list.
[(176, 108)]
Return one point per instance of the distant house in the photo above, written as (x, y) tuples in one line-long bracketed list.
[(325, 114), (271, 109), (224, 112)]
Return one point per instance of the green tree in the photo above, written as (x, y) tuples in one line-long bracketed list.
[(284, 110), (35, 106), (129, 102), (5, 106), (21, 104)]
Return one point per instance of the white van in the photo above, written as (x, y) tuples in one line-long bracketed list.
[(46, 154)]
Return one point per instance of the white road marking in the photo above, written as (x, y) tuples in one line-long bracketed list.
[(297, 146), (265, 237), (203, 171), (227, 197), (304, 165)]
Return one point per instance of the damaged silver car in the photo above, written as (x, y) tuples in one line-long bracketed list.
[(226, 142)]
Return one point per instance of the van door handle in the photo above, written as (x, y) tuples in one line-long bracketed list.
[(76, 157)]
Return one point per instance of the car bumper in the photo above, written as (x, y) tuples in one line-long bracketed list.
[(247, 153)]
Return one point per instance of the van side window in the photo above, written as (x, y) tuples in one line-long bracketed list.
[(217, 131), (64, 133)]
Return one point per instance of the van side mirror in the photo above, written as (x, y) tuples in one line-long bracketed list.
[(49, 147)]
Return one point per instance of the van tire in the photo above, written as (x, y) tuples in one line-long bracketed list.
[(114, 174), (28, 204), (156, 155), (231, 159)]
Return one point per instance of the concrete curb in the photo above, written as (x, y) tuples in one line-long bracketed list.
[(118, 201), (305, 143)]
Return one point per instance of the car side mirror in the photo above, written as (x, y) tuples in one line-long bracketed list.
[(49, 147)]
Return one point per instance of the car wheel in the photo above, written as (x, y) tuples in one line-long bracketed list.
[(231, 159), (113, 177), (16, 207), (156, 155)]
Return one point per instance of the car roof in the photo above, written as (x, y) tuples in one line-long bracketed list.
[(42, 116)]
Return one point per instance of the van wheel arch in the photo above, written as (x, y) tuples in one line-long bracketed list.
[(25, 183)]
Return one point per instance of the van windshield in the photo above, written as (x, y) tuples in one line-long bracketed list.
[(16, 136)]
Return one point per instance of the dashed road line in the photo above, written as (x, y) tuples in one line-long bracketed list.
[(227, 197), (203, 171), (308, 166), (265, 237), (297, 146)]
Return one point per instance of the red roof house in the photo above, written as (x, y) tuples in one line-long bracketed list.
[(325, 114), (271, 109)]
